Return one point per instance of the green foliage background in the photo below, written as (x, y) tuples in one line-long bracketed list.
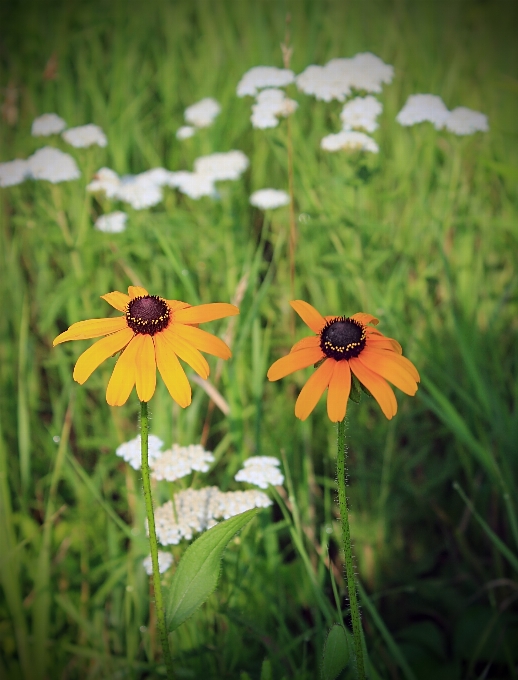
[(424, 235)]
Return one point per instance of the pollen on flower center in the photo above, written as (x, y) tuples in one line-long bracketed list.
[(342, 338), (148, 314)]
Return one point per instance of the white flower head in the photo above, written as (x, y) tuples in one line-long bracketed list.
[(221, 166), (180, 461), (361, 112), (13, 172), (369, 72), (270, 104), (157, 176), (193, 184), (185, 132), (47, 124), (165, 560), (53, 165), (84, 136), (261, 471), (423, 107), (140, 192), (269, 199), (349, 140), (463, 121), (130, 451), (105, 181), (203, 113), (112, 223), (259, 77)]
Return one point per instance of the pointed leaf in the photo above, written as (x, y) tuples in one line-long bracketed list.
[(336, 653)]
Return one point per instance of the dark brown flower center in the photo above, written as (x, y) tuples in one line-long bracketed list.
[(342, 338), (147, 315)]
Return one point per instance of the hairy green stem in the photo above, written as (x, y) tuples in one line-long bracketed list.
[(348, 553), (159, 604)]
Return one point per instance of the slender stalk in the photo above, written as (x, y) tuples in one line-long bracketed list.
[(159, 604), (348, 553)]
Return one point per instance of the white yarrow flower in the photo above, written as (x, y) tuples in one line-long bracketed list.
[(261, 471), (185, 132), (464, 121), (259, 77), (269, 199), (222, 166), (180, 461), (203, 113), (112, 223), (84, 136), (193, 184), (165, 560), (47, 124), (420, 108), (139, 192), (105, 181), (349, 141), (13, 172), (53, 165), (270, 104), (130, 451), (361, 112)]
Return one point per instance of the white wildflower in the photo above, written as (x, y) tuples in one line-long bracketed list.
[(361, 112), (180, 461), (270, 104), (112, 223), (203, 113), (221, 166), (423, 107), (349, 141), (259, 77), (130, 451), (165, 560), (236, 502), (13, 172), (268, 199), (47, 124), (193, 184), (105, 181), (53, 165), (158, 176), (369, 72), (261, 471), (84, 136), (139, 192), (463, 121), (185, 132)]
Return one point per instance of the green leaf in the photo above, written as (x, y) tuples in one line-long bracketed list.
[(197, 574), (336, 653), (355, 394), (266, 670)]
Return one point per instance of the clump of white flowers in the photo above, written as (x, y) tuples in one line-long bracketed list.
[(53, 165), (269, 199), (260, 77), (130, 451), (193, 184), (423, 107), (464, 121), (203, 113), (180, 461), (349, 140), (361, 112), (47, 124), (84, 136), (185, 132), (270, 104), (13, 172), (105, 181), (112, 223), (261, 471), (140, 192), (165, 560), (221, 166)]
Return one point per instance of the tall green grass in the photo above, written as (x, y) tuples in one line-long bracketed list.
[(423, 235)]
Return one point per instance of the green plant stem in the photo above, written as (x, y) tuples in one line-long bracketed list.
[(159, 604), (348, 553)]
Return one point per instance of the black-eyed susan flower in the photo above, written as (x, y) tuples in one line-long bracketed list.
[(345, 346), (153, 333)]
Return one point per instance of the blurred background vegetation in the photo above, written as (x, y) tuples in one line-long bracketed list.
[(424, 235)]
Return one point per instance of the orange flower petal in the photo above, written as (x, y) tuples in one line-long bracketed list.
[(203, 313), (177, 304), (314, 389), (91, 328), (171, 370), (188, 353), (309, 315), (117, 300), (364, 318), (99, 352), (405, 363), (377, 386), (137, 291), (293, 362), (203, 341), (123, 376), (306, 343), (338, 394), (389, 369), (145, 367), (377, 339)]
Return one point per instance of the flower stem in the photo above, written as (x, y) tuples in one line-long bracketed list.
[(159, 605), (348, 553)]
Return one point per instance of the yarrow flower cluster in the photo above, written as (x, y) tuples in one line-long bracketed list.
[(361, 112), (84, 136), (261, 471), (180, 461), (112, 223), (185, 131), (165, 560), (260, 77), (349, 140), (47, 124), (429, 107), (270, 104), (47, 163), (464, 121), (269, 199), (130, 451), (203, 113)]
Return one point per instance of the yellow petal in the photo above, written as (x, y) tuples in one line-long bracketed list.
[(314, 389), (117, 300), (137, 291), (338, 394), (145, 367), (205, 342), (364, 318), (374, 337), (309, 315), (99, 352), (377, 386), (188, 353), (123, 376), (306, 343), (203, 313), (403, 362), (293, 362), (92, 328), (177, 304), (389, 370), (171, 371)]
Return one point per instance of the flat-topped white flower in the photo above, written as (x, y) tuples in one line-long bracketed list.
[(261, 471), (130, 451), (158, 176), (270, 104), (262, 460), (369, 72), (203, 113), (165, 560), (105, 181), (221, 166), (14, 172), (420, 108), (47, 124), (84, 136), (361, 112), (180, 461), (464, 121), (259, 77), (185, 132), (53, 165), (269, 199), (112, 223), (193, 184), (349, 140), (233, 503), (140, 192)]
